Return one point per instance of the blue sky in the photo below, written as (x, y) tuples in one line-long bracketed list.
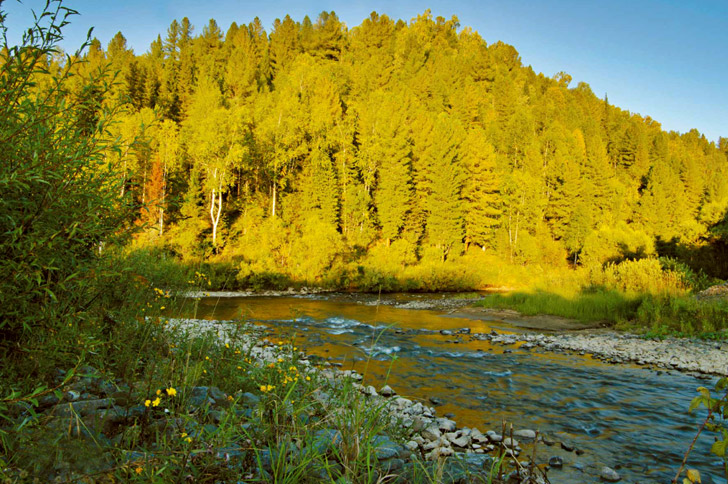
[(660, 58)]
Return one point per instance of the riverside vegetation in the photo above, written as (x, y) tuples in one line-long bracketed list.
[(262, 161)]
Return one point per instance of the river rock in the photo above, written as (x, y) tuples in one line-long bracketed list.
[(446, 424), (384, 448), (494, 437), (82, 408), (391, 465), (419, 423), (478, 436), (525, 434), (439, 452), (477, 462), (370, 391), (48, 401), (218, 395), (326, 439), (609, 474), (435, 401), (567, 446), (249, 400), (431, 445), (461, 441), (199, 396), (547, 440), (556, 462), (386, 391), (510, 443), (431, 433)]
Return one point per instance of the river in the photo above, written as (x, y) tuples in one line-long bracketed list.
[(629, 418)]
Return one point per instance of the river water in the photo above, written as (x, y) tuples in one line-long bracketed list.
[(629, 418)]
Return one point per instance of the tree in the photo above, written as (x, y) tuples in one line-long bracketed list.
[(284, 43), (214, 145), (444, 183), (480, 189)]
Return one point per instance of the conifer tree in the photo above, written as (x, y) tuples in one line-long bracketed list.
[(480, 189)]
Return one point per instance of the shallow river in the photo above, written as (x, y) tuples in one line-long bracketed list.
[(632, 419)]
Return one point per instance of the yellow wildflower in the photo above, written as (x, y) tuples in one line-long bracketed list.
[(156, 402), (308, 378), (188, 439), (227, 345), (139, 470), (147, 403), (171, 391), (159, 391), (184, 434)]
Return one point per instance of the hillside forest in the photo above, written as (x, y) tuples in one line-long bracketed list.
[(316, 152)]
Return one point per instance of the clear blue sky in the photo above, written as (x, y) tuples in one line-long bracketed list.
[(660, 58)]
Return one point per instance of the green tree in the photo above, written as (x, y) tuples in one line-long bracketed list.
[(444, 182), (480, 189)]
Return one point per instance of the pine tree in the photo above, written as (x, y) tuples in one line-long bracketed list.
[(480, 189), (445, 179)]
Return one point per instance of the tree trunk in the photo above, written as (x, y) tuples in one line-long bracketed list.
[(215, 217), (273, 203)]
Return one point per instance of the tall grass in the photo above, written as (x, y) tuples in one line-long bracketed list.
[(601, 305), (648, 296)]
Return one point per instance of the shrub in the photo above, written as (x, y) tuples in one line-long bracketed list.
[(59, 199)]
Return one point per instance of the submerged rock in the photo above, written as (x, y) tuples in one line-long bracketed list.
[(556, 462), (609, 474)]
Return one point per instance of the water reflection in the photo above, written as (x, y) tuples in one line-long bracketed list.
[(623, 416)]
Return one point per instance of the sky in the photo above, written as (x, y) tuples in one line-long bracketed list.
[(660, 58)]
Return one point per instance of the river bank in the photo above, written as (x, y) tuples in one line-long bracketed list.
[(459, 454), (606, 411), (290, 416)]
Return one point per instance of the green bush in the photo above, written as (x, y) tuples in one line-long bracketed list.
[(59, 199)]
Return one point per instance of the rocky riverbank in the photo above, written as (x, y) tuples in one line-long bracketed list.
[(688, 355), (466, 454)]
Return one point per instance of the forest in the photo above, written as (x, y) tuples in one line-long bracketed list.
[(318, 152)]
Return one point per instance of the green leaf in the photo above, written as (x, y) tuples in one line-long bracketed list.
[(695, 403), (719, 448)]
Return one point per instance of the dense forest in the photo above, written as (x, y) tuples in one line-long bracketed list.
[(315, 148)]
